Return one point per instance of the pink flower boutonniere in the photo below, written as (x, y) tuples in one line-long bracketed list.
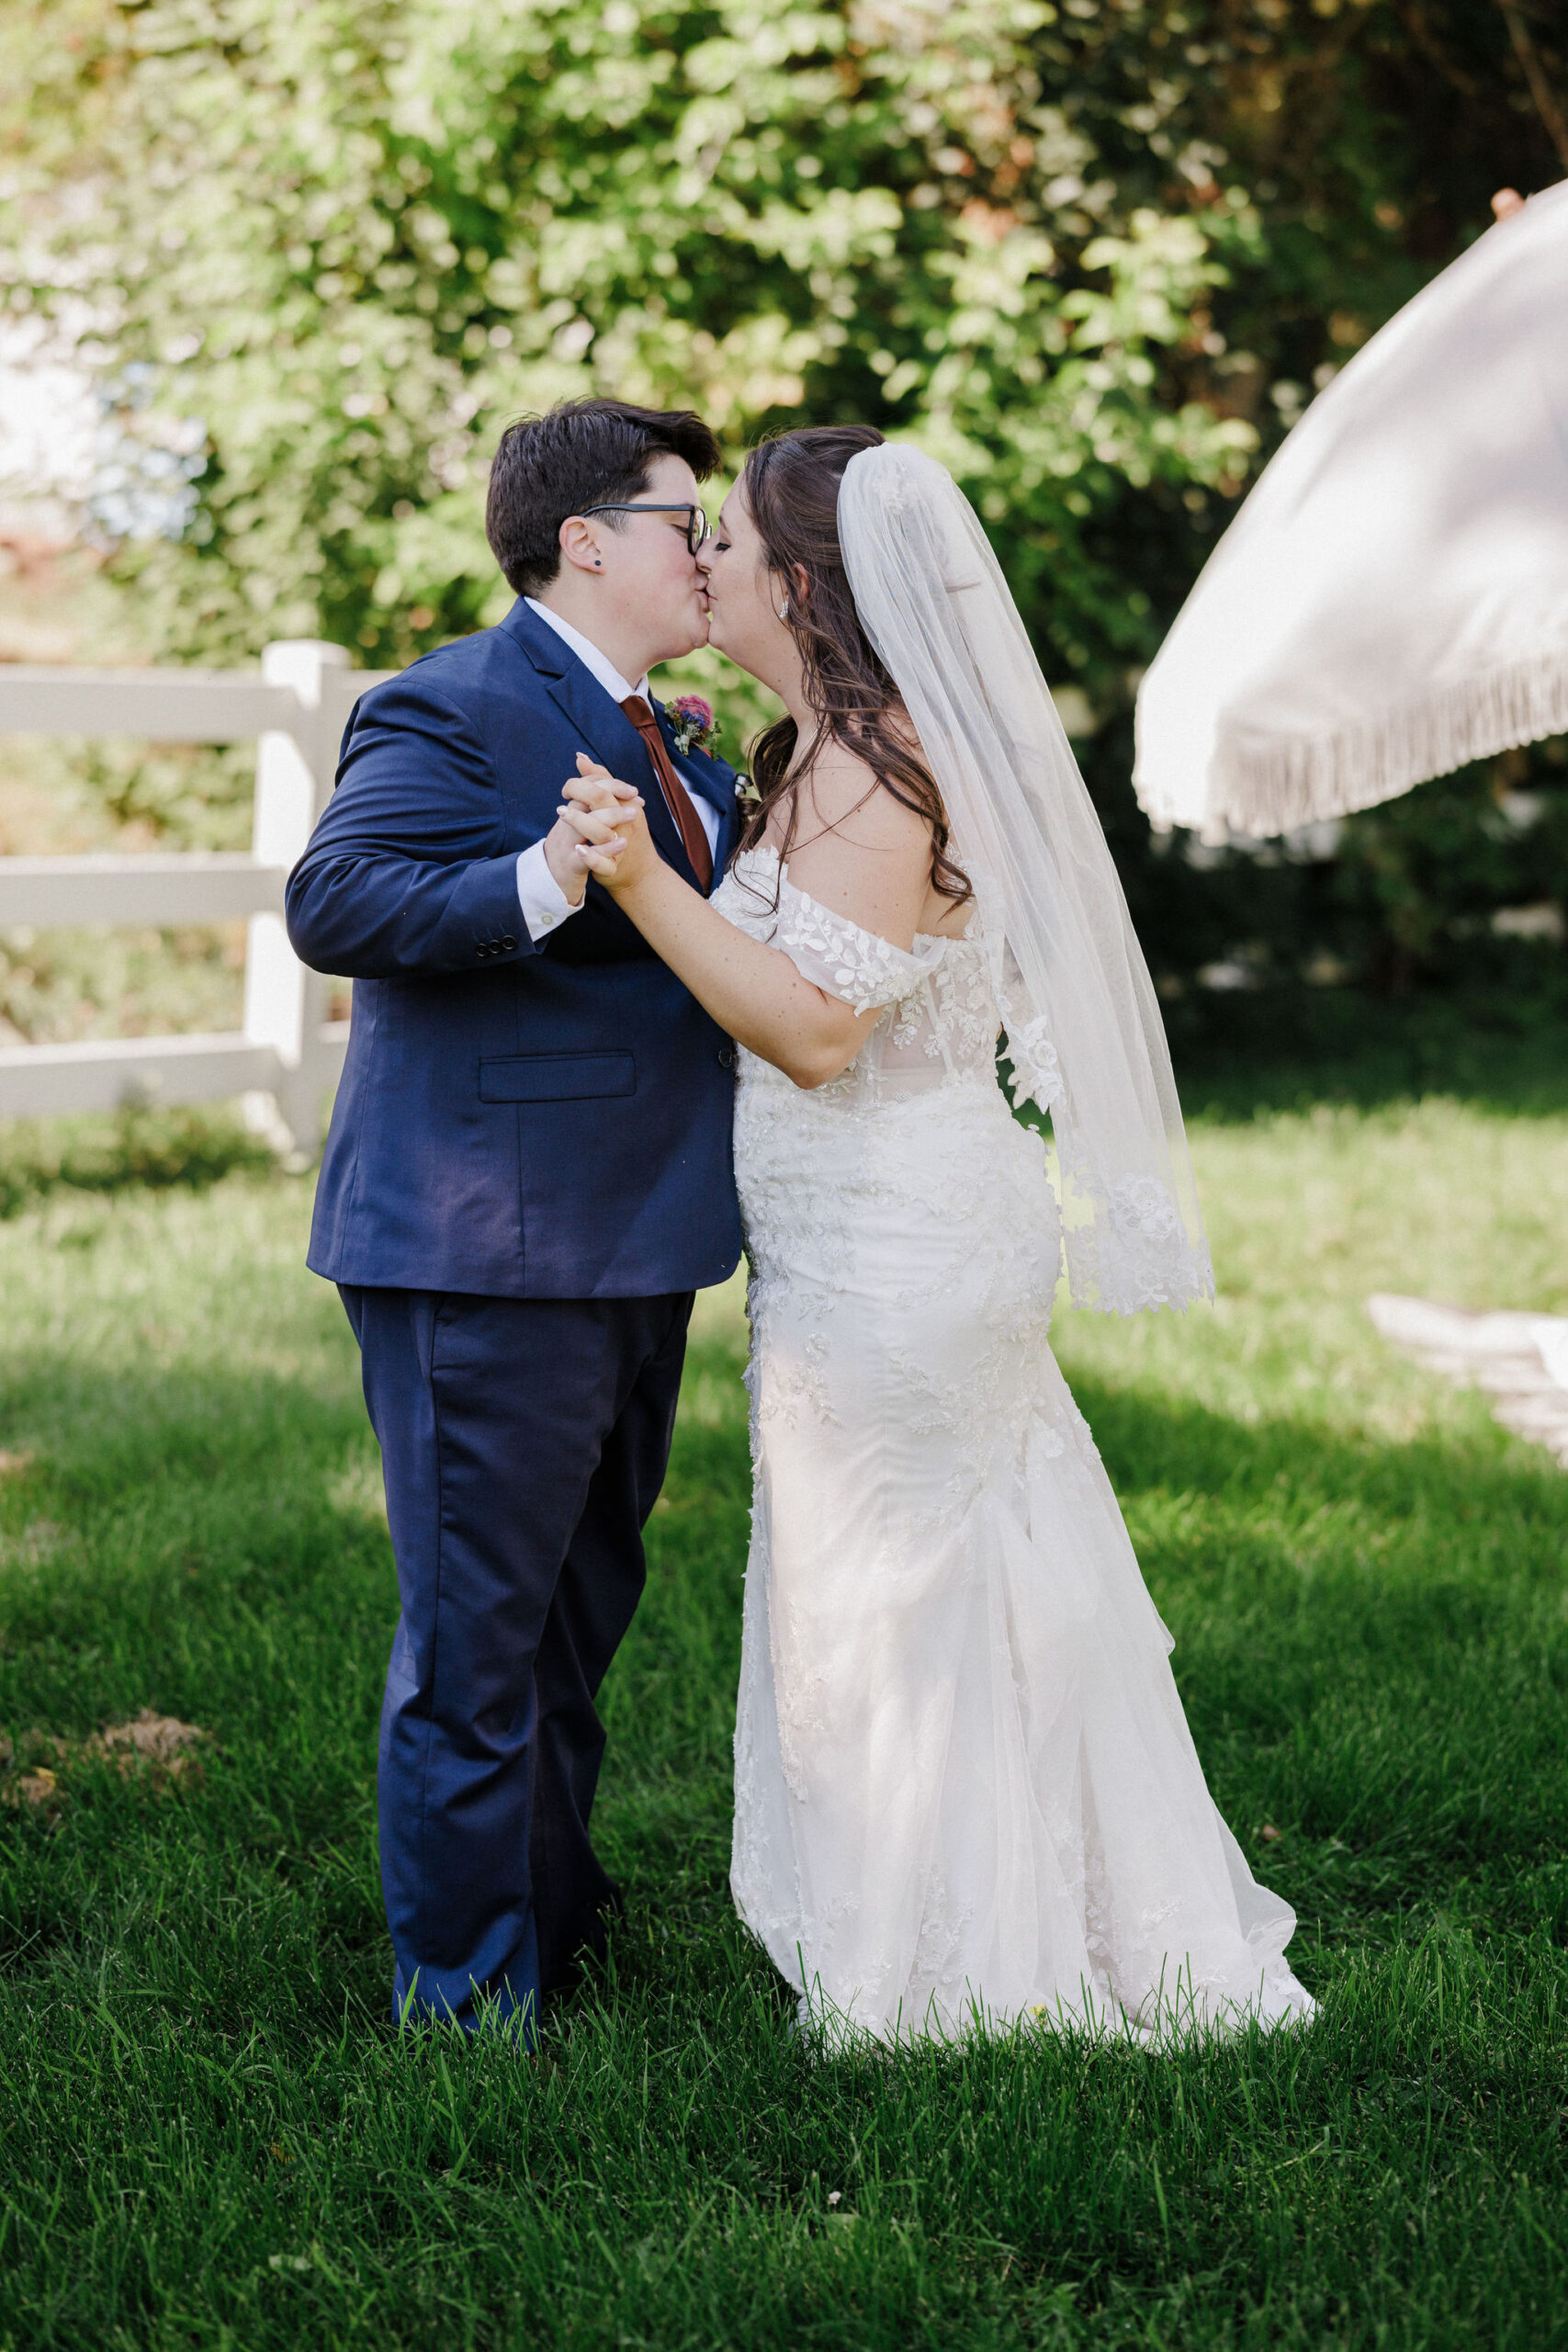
[(696, 729)]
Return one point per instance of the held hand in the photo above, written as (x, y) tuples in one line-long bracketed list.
[(596, 798), (585, 839)]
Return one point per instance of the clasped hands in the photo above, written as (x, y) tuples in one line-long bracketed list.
[(600, 828)]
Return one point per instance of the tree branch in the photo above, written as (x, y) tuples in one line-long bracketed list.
[(1541, 89)]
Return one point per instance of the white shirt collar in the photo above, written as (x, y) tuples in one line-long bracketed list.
[(588, 653)]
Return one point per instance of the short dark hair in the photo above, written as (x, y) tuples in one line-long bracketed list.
[(583, 453)]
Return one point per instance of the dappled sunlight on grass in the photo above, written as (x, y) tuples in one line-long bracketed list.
[(212, 2138)]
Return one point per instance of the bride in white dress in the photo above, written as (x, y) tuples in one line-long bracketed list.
[(965, 1792)]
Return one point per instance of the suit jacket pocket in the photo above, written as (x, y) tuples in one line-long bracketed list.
[(555, 1078)]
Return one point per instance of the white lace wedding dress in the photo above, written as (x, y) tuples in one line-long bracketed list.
[(964, 1786)]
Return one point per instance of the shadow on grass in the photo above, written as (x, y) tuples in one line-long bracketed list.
[(122, 1150), (1502, 1050), (1371, 1648), (1149, 1440), (213, 1547), (211, 2135)]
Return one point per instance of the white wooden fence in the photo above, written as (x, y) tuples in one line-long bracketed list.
[(288, 1056)]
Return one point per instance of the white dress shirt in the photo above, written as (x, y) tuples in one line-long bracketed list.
[(544, 904)]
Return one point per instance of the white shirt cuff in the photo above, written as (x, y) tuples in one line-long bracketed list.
[(544, 902)]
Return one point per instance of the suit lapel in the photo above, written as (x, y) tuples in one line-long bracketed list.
[(603, 726)]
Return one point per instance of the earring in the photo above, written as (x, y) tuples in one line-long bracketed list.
[(783, 610)]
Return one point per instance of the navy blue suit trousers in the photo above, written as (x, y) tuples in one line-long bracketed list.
[(525, 1441)]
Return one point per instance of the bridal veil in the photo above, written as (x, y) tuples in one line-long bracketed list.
[(1083, 1025)]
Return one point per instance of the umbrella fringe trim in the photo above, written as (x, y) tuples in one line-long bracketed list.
[(1272, 789)]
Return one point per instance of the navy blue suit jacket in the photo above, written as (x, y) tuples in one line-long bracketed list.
[(522, 1121)]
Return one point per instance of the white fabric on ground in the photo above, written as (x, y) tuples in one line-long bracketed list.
[(1520, 1360)]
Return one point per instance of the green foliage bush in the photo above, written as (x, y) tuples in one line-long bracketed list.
[(1095, 256), (141, 1146)]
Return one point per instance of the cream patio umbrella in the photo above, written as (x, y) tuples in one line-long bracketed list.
[(1391, 599)]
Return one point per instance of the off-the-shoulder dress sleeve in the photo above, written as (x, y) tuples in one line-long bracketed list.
[(859, 967)]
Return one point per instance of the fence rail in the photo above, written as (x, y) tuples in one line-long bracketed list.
[(53, 893), (171, 706), (287, 1056)]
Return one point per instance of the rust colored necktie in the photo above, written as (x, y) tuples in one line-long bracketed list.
[(677, 799)]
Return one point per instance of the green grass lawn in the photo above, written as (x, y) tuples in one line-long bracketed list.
[(207, 2135)]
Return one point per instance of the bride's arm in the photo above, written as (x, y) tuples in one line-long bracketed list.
[(870, 864)]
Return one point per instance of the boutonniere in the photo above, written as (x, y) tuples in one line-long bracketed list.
[(696, 729)]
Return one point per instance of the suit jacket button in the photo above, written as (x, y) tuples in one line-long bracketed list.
[(482, 950), (507, 944)]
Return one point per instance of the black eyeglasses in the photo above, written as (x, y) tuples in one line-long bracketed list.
[(698, 528)]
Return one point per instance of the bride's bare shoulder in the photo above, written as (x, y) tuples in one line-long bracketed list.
[(860, 852), (843, 796)]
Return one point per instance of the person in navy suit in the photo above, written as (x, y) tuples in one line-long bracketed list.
[(528, 1174)]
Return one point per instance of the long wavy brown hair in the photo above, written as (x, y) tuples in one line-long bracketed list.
[(791, 487)]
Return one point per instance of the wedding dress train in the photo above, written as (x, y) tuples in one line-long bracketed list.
[(965, 1790)]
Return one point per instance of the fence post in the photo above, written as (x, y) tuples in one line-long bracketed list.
[(285, 1003)]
